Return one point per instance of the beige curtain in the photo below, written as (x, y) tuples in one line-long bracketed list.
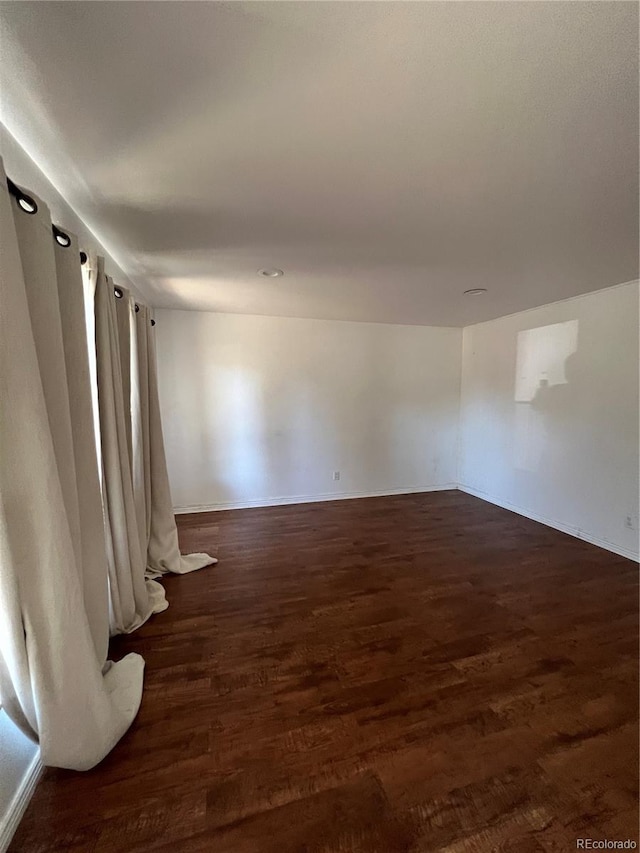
[(124, 318), (163, 551), (133, 597), (55, 682), (141, 528)]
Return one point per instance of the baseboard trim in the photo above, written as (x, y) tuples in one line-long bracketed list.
[(556, 525), (13, 816), (477, 493), (306, 499)]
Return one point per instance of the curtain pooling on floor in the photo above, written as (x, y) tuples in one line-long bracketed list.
[(53, 581)]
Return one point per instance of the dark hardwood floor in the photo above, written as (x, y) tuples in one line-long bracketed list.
[(413, 673)]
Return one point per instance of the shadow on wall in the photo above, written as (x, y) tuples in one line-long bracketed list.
[(543, 372), (273, 407)]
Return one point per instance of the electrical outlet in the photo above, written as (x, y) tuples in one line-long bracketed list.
[(336, 475), (628, 522)]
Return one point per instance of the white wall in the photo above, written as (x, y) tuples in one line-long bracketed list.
[(264, 409), (565, 453), (17, 756)]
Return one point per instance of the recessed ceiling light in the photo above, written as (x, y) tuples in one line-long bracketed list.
[(271, 273), (475, 291)]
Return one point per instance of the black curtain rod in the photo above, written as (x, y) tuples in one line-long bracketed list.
[(28, 205)]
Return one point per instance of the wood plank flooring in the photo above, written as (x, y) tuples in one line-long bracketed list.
[(413, 673)]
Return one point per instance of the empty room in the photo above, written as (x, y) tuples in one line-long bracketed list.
[(319, 426)]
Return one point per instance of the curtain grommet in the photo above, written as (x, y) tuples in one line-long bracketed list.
[(24, 201), (61, 238)]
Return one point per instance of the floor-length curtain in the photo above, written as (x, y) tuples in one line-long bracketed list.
[(141, 462), (52, 555), (124, 319), (142, 539), (92, 553), (133, 597), (163, 551)]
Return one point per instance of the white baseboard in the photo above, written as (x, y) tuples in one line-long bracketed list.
[(557, 525), (341, 496), (306, 499), (12, 817)]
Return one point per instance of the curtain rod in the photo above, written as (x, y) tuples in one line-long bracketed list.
[(28, 204)]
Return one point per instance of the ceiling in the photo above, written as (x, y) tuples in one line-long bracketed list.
[(386, 156)]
